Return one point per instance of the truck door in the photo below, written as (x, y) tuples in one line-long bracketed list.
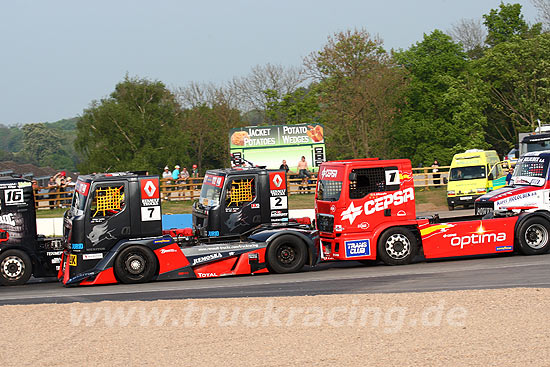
[(107, 216), (241, 205), (497, 177)]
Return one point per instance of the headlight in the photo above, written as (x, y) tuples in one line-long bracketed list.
[(481, 191), (452, 192)]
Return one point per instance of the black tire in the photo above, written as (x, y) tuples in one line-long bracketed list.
[(451, 207), (397, 246), (135, 264), (533, 236), (15, 267), (286, 254)]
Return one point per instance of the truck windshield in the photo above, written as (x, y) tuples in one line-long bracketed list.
[(467, 173), (210, 195), (530, 171), (329, 190), (78, 203)]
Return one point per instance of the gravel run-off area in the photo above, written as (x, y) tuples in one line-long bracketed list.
[(482, 327)]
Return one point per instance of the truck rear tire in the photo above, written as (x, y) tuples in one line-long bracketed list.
[(534, 236), (135, 264), (15, 267), (397, 246), (286, 254)]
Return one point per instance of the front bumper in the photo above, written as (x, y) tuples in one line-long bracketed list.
[(462, 200)]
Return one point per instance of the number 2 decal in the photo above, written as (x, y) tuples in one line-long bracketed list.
[(278, 202)]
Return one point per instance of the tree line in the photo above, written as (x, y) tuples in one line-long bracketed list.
[(475, 86)]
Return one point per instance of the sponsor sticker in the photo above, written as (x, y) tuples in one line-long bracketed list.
[(278, 202), (92, 256), (150, 213), (150, 192), (206, 258), (82, 187), (255, 206), (213, 233), (277, 181), (504, 248), (167, 250), (164, 240), (77, 246), (7, 219), (72, 260), (357, 248), (13, 196)]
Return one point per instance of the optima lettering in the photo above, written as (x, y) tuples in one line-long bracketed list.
[(475, 239)]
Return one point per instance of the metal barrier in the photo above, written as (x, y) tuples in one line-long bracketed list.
[(190, 189)]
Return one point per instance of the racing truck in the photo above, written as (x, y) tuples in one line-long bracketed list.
[(113, 230), (22, 251), (365, 210), (529, 189)]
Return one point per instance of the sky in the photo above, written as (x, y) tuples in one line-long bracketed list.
[(57, 56)]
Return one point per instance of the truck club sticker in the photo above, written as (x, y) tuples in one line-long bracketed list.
[(378, 204), (357, 248)]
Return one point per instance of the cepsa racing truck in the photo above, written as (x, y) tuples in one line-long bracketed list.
[(529, 189), (365, 210), (113, 230), (22, 252)]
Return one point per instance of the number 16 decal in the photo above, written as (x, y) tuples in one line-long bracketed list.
[(149, 213)]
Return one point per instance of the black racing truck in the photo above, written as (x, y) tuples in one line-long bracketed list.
[(22, 252), (113, 230)]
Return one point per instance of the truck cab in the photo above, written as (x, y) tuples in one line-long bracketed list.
[(22, 251), (358, 199)]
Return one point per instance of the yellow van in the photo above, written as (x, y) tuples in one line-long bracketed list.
[(472, 174)]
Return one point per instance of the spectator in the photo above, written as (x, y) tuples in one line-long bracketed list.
[(176, 172), (303, 173), (195, 171), (184, 175), (509, 176), (52, 192), (166, 173), (436, 174), (284, 166)]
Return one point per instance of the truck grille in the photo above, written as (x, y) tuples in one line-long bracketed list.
[(484, 207), (325, 223)]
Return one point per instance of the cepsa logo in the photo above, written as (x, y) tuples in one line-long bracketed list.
[(329, 173), (378, 204)]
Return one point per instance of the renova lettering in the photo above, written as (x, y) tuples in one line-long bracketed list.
[(475, 239), (207, 258)]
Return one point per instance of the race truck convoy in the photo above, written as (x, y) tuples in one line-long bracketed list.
[(113, 230), (529, 189), (22, 252), (365, 210)]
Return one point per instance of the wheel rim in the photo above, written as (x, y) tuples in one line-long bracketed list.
[(286, 255), (536, 236), (398, 246), (135, 264), (13, 267)]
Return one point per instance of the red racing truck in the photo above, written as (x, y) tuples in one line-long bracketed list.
[(365, 210)]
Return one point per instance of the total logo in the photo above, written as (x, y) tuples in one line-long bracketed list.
[(207, 275), (379, 204)]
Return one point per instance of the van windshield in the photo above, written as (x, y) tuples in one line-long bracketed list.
[(467, 173), (328, 190)]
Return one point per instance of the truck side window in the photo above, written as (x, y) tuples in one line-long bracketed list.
[(368, 180), (240, 192), (107, 201)]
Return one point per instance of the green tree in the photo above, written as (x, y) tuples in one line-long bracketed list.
[(443, 111), (516, 74), (136, 128), (300, 106), (506, 23), (44, 147), (359, 90)]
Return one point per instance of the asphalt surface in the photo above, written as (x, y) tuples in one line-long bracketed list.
[(497, 271), (502, 271)]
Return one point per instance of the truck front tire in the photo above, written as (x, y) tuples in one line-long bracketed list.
[(397, 246), (135, 264), (534, 236), (15, 267), (286, 254)]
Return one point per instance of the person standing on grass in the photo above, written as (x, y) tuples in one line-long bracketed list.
[(436, 174)]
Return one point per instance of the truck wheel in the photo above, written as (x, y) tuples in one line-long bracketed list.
[(135, 264), (451, 207), (533, 236), (286, 254), (15, 267), (397, 246)]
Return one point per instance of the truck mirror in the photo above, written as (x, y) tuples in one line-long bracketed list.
[(516, 154), (445, 180), (353, 176)]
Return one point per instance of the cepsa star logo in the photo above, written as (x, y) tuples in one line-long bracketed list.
[(351, 213)]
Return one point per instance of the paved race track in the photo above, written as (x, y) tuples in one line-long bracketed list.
[(501, 271)]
